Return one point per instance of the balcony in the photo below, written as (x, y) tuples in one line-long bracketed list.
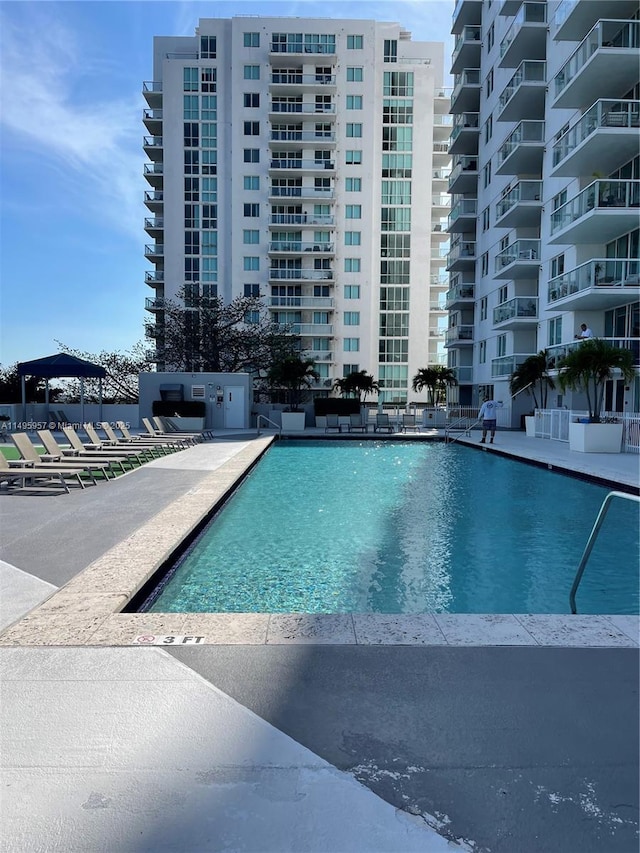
[(603, 138), (523, 150), (297, 247), (465, 135), (557, 352), (442, 100), (301, 51), (521, 312), (601, 212), (466, 91), (604, 64), (441, 201), (460, 296), (298, 138), (463, 374), (152, 331), (278, 109), (439, 230), (154, 278), (459, 335), (154, 173), (440, 153), (466, 13), (311, 330), (464, 175), (277, 274), (154, 251), (287, 82), (153, 121), (318, 302), (154, 226), (284, 220), (598, 285), (466, 49), (319, 355), (154, 303), (295, 164), (462, 256), (152, 93), (154, 200), (509, 8), (442, 126), (317, 194), (463, 216), (152, 146), (521, 207), (524, 95), (526, 38), (573, 19), (504, 365), (519, 260)]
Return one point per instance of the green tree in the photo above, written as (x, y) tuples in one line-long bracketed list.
[(295, 375), (11, 387), (533, 375), (359, 383), (588, 367), (436, 379)]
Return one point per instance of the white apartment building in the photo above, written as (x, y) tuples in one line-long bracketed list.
[(545, 188), (305, 160)]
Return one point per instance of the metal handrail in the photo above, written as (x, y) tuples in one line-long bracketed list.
[(592, 538), (465, 431), (269, 421)]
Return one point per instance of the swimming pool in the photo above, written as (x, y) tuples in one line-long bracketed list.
[(386, 527)]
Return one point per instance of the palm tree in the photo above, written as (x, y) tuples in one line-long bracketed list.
[(436, 379), (359, 383), (588, 367), (295, 374), (533, 376)]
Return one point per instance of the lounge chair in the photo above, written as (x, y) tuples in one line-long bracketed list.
[(110, 453), (174, 443), (167, 427), (32, 476), (152, 446), (409, 422), (382, 424), (142, 454), (71, 456), (30, 456), (357, 424), (333, 423)]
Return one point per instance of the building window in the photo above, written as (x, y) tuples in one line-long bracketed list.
[(352, 238), (355, 42), (192, 269), (190, 108), (350, 368), (559, 200), (191, 134), (209, 107), (251, 39), (209, 134), (555, 331), (486, 174), (252, 318), (251, 182), (252, 99), (208, 78), (352, 264), (353, 211), (353, 157), (397, 138), (557, 266), (351, 318), (353, 185), (252, 290), (355, 74), (209, 215), (351, 344), (250, 264), (501, 345), (354, 102), (482, 353), (488, 129), (489, 83), (250, 236), (490, 37), (192, 242), (192, 189), (485, 219), (252, 128), (353, 130), (207, 47), (352, 291), (190, 79), (192, 162), (251, 155), (398, 84), (192, 216), (390, 50), (484, 264), (251, 72), (484, 307), (210, 241), (251, 210)]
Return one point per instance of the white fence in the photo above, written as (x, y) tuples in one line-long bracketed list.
[(554, 424)]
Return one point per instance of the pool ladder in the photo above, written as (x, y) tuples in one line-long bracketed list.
[(269, 421), (606, 503)]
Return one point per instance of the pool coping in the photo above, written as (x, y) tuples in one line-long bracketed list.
[(87, 611)]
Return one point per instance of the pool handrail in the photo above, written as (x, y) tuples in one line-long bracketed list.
[(592, 538), (463, 431), (269, 421)]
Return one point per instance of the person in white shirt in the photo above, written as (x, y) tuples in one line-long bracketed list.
[(487, 415), (584, 333)]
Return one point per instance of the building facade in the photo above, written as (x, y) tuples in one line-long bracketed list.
[(305, 161), (545, 186)]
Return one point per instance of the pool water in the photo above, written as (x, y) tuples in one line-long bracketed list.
[(386, 527)]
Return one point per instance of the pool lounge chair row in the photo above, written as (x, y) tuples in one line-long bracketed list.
[(381, 423)]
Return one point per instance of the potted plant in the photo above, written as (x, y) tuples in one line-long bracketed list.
[(533, 377), (587, 369), (295, 375), (436, 380)]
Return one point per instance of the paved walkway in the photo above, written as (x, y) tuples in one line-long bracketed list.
[(274, 747)]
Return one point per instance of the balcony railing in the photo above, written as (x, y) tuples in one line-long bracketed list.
[(303, 108), (152, 115), (307, 165), (299, 246), (154, 196), (291, 78), (459, 293), (154, 303), (154, 250), (519, 306), (319, 354), (523, 191), (529, 71), (441, 200), (465, 121), (300, 274), (459, 333), (603, 114), (521, 250), (318, 302), (466, 207), (557, 352), (154, 222), (599, 194), (505, 365), (314, 193), (599, 272), (312, 330), (302, 136), (524, 133), (153, 277), (301, 219), (465, 251), (605, 34), (528, 13), (154, 169), (151, 86), (302, 47)]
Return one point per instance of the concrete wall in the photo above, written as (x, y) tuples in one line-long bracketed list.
[(218, 410)]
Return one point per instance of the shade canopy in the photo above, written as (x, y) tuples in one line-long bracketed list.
[(60, 365)]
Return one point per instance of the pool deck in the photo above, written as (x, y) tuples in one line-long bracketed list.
[(284, 732)]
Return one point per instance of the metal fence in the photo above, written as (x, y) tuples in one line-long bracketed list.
[(554, 424)]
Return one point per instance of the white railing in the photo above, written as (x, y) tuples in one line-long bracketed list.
[(554, 424)]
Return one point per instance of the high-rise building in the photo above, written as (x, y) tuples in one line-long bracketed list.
[(545, 187), (305, 160)]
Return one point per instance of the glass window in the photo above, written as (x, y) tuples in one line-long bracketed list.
[(209, 134), (352, 291), (354, 102), (251, 155), (251, 72), (354, 74), (352, 264), (350, 368), (353, 211), (209, 107), (351, 318), (191, 134), (252, 210), (252, 128), (355, 42), (390, 53), (207, 47), (190, 79), (351, 344), (252, 290), (190, 108), (353, 157), (398, 83), (354, 129), (352, 238), (208, 78), (251, 264), (251, 182), (250, 236), (209, 189), (353, 185), (251, 99), (483, 308), (483, 352), (251, 39)]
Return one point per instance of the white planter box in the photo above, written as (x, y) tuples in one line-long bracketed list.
[(595, 438), (530, 426), (293, 421)]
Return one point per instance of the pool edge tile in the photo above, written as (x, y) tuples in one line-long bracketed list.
[(311, 628)]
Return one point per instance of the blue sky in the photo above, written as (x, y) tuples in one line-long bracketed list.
[(71, 160)]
